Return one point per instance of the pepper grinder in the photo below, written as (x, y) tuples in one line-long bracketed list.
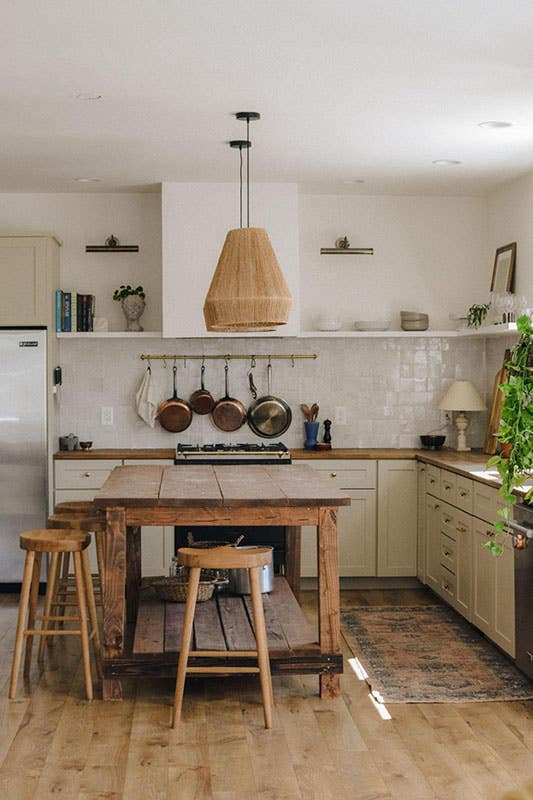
[(327, 432)]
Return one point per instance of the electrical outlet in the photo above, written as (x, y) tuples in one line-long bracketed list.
[(107, 415), (448, 417), (340, 415)]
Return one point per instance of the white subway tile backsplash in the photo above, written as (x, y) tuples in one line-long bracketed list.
[(390, 387)]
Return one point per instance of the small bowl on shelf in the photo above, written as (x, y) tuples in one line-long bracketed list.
[(430, 442), (86, 445), (326, 322), (372, 324)]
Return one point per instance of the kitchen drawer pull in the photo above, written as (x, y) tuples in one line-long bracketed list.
[(461, 529), (489, 532), (333, 474), (447, 520), (447, 487), (87, 474), (436, 506), (447, 553), (446, 586), (463, 494), (432, 480)]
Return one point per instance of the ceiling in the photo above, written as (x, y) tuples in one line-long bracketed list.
[(347, 89)]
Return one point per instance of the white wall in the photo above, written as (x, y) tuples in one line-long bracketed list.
[(510, 218), (430, 254), (80, 219)]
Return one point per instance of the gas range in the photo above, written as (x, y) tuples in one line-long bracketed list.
[(272, 453)]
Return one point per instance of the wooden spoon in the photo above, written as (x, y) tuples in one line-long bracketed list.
[(314, 412), (306, 411)]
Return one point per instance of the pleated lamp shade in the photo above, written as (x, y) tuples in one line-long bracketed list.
[(248, 291)]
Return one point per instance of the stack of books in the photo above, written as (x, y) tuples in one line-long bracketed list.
[(74, 311)]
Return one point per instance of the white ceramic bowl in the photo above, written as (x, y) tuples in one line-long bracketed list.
[(328, 323), (372, 324)]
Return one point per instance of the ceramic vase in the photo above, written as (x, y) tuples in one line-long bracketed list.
[(133, 307), (311, 432)]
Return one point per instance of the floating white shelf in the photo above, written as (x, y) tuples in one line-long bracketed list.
[(487, 330), (110, 335), (491, 330)]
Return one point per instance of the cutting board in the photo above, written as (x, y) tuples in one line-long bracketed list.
[(493, 425)]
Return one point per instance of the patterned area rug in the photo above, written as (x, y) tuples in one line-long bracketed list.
[(429, 654)]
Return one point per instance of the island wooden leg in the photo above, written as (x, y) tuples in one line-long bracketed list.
[(133, 571), (293, 547), (328, 595), (114, 596)]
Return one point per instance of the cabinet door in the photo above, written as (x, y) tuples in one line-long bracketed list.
[(433, 515), (421, 503), (463, 565), (397, 518), (28, 275), (484, 574), (504, 606), (356, 526)]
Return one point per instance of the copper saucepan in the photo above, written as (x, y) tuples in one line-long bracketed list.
[(174, 414), (202, 401), (228, 414)]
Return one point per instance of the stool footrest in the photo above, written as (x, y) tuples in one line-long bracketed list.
[(61, 632), (223, 653), (223, 670)]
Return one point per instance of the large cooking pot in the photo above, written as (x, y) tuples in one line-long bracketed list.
[(202, 401), (269, 416), (174, 414), (239, 581), (228, 414)]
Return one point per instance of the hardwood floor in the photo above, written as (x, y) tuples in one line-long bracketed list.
[(55, 744)]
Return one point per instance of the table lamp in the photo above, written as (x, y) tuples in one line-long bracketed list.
[(462, 396)]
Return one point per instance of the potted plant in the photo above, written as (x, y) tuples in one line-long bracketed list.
[(516, 430), (133, 305), (476, 314)]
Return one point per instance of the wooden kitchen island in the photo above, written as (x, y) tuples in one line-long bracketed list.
[(290, 495)]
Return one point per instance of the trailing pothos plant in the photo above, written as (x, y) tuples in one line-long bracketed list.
[(516, 428)]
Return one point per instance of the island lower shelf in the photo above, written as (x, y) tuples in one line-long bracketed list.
[(223, 624)]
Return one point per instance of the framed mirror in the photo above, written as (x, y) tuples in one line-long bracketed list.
[(503, 272)]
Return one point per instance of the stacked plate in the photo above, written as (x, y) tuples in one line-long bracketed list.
[(414, 321)]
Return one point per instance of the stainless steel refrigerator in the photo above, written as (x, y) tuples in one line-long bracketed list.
[(23, 443)]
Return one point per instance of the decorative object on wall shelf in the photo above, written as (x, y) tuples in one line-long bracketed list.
[(491, 440), (133, 305), (112, 245), (504, 266), (342, 247), (462, 396), (476, 314), (248, 291), (414, 321)]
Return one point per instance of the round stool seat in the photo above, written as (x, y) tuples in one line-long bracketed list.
[(225, 557), (54, 541), (78, 521)]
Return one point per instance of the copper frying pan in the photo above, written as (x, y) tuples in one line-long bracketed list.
[(174, 414), (228, 414)]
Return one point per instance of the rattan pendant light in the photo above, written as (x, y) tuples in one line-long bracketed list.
[(248, 291)]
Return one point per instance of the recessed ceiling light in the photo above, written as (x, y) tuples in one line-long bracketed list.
[(446, 162), (88, 96), (494, 124), (87, 180)]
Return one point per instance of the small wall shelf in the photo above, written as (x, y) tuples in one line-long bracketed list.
[(350, 251)]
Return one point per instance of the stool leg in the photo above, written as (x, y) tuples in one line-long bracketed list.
[(23, 608), (190, 605), (31, 611), (50, 589), (261, 643), (92, 611), (84, 634), (62, 595)]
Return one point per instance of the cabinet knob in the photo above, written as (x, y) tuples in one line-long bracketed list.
[(447, 553), (333, 474), (87, 474), (436, 506), (489, 532), (447, 520), (463, 494), (447, 487), (432, 480), (461, 529), (446, 586)]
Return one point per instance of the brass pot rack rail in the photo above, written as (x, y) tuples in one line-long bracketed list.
[(227, 357)]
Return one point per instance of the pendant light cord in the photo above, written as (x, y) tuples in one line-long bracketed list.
[(248, 172), (240, 182)]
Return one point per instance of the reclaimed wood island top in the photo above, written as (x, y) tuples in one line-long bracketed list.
[(290, 495)]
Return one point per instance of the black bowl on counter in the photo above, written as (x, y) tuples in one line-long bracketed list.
[(432, 442)]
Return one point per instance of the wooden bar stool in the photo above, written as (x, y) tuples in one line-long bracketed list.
[(54, 542), (252, 559), (82, 521)]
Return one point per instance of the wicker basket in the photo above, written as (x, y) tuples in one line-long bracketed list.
[(174, 589)]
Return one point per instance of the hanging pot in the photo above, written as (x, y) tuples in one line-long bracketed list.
[(228, 414), (174, 414), (202, 401), (270, 416)]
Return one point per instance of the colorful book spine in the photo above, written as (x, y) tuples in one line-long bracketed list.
[(59, 310), (73, 313), (67, 309)]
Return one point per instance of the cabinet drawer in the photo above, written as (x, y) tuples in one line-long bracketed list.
[(465, 494), (447, 582), (486, 502), (83, 474), (448, 554), (348, 474), (433, 480), (448, 486), (447, 521)]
